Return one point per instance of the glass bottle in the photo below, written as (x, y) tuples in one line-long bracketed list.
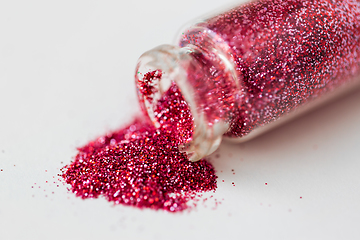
[(254, 66)]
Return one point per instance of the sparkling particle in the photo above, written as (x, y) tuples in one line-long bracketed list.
[(142, 166), (285, 52), (266, 184)]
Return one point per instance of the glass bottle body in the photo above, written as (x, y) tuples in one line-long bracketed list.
[(257, 64)]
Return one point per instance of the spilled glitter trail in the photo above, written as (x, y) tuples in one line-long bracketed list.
[(142, 166)]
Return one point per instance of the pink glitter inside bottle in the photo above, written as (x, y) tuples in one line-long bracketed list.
[(247, 68)]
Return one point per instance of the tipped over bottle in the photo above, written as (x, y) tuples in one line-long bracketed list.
[(254, 66)]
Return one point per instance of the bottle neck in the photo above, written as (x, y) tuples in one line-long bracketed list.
[(206, 83)]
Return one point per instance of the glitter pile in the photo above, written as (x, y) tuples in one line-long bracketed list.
[(142, 166), (284, 53)]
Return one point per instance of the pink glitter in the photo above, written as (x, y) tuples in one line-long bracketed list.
[(142, 166), (286, 52)]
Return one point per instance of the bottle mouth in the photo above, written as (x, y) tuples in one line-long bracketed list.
[(165, 66), (155, 73)]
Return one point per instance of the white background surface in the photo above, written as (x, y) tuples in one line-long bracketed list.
[(66, 77)]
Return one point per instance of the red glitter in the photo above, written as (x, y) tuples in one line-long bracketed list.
[(146, 86), (285, 52), (142, 166), (266, 183)]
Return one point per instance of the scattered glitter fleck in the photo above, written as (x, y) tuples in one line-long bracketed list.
[(266, 183), (300, 197), (285, 58), (1, 170), (142, 166)]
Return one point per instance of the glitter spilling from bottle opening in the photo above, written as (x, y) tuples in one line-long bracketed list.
[(285, 53), (142, 166)]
